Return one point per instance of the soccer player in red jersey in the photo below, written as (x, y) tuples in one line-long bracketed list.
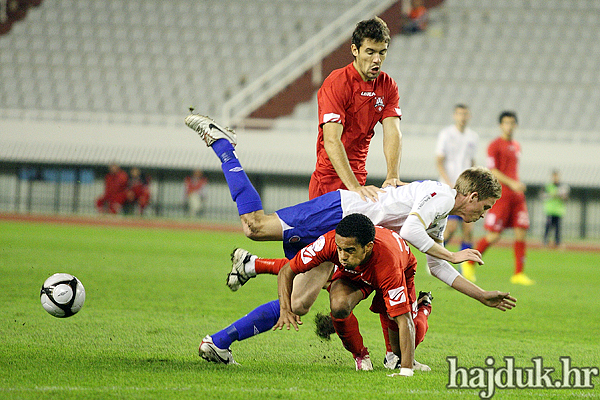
[(367, 259), (352, 100), (115, 190), (510, 211)]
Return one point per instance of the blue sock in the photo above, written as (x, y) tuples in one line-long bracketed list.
[(242, 192), (466, 245), (259, 320)]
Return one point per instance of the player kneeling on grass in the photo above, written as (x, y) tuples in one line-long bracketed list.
[(366, 259)]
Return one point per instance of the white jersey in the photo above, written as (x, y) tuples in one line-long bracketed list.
[(458, 149), (431, 201)]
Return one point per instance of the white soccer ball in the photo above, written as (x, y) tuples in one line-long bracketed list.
[(62, 295)]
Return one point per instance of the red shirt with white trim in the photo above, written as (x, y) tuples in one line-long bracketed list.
[(384, 271), (346, 99)]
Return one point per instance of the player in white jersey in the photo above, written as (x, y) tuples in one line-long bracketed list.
[(455, 151)]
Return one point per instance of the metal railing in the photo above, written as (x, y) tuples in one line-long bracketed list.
[(305, 57)]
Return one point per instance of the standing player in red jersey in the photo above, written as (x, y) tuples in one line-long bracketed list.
[(510, 211), (352, 100), (367, 259)]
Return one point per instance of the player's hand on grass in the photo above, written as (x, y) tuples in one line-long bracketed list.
[(287, 318), (368, 192), (503, 301), (393, 182), (467, 255)]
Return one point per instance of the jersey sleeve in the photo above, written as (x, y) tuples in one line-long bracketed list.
[(392, 108), (321, 250), (492, 156), (432, 201), (440, 145), (332, 100)]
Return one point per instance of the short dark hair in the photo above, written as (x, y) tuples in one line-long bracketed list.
[(511, 114), (375, 29), (357, 226), (461, 105)]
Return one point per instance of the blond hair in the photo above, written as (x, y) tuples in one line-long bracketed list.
[(480, 180)]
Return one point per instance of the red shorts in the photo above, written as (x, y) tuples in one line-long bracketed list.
[(510, 211), (321, 184), (378, 305)]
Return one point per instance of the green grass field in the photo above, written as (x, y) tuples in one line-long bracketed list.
[(153, 294)]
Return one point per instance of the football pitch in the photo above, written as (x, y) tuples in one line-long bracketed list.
[(153, 294)]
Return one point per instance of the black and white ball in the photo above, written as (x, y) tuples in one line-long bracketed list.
[(62, 295)]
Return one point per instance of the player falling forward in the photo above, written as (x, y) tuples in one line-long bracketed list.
[(418, 211)]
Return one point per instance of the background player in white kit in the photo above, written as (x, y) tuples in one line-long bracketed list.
[(455, 151)]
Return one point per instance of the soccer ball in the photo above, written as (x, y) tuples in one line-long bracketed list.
[(62, 295)]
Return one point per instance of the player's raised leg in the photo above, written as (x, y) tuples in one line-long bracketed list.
[(257, 225)]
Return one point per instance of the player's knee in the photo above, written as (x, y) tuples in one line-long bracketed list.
[(340, 309), (300, 307)]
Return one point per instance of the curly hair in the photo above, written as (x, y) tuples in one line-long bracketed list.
[(375, 29)]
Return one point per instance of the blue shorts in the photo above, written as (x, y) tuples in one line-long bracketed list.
[(456, 217), (309, 220)]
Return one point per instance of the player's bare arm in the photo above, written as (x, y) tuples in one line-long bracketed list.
[(332, 141), (406, 329), (439, 161), (285, 280), (392, 150), (503, 301), (516, 186), (439, 251)]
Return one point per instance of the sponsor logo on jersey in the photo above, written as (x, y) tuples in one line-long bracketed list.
[(397, 296), (368, 94)]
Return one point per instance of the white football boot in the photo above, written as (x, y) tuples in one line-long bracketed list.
[(363, 362), (210, 352), (238, 275), (209, 130)]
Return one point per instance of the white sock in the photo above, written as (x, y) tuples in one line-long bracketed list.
[(249, 267)]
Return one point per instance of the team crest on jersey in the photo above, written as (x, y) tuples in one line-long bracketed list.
[(379, 103)]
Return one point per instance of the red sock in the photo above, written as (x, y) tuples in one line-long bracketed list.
[(347, 330), (519, 248), (385, 324), (421, 324), (269, 265), (482, 245)]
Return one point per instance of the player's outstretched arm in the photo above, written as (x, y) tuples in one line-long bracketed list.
[(285, 280), (503, 301)]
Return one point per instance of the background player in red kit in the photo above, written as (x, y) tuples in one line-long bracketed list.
[(352, 100), (367, 259), (510, 211), (115, 190)]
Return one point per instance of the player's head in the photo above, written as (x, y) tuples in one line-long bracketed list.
[(478, 189), (370, 41), (508, 122), (354, 236), (461, 116)]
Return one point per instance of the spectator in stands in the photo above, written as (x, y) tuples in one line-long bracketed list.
[(554, 196), (416, 19), (195, 193), (138, 192), (510, 211), (455, 152), (115, 190)]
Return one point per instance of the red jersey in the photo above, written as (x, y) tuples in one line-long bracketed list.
[(385, 271), (115, 184), (346, 99), (504, 156)]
